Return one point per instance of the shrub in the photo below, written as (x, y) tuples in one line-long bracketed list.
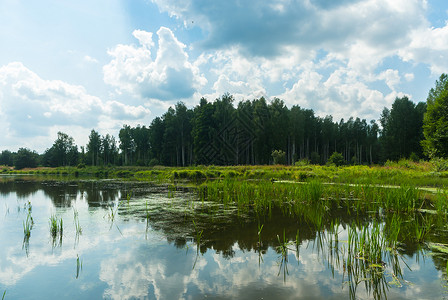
[(336, 159), (279, 157), (315, 158), (302, 162), (440, 164), (153, 162), (414, 157)]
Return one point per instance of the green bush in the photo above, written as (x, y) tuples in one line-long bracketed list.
[(336, 159), (414, 157), (279, 157), (315, 158), (302, 162), (153, 162), (440, 164)]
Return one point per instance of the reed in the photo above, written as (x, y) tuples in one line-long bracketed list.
[(27, 226), (198, 234), (113, 210), (29, 222), (364, 260), (128, 198), (260, 228), (441, 202), (78, 266), (283, 250), (422, 229), (292, 197), (56, 228), (146, 211), (78, 228), (4, 294), (171, 191)]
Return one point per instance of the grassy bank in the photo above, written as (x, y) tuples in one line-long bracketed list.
[(423, 174)]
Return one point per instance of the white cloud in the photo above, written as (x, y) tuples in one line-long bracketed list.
[(391, 77), (358, 34), (43, 102), (169, 76), (265, 28), (324, 55), (122, 111), (341, 95), (409, 76), (429, 46), (90, 59), (32, 107)]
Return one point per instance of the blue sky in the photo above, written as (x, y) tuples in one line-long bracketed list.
[(73, 66)]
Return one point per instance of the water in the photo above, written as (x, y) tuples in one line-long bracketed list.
[(120, 254)]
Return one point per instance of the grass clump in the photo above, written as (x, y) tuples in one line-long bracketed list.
[(56, 229), (29, 222)]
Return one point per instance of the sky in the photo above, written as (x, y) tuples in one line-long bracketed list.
[(74, 66)]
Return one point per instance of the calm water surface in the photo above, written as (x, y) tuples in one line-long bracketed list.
[(146, 241)]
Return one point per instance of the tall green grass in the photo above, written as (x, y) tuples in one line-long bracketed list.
[(56, 229), (78, 228), (293, 197)]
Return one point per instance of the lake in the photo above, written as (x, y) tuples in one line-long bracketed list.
[(140, 240)]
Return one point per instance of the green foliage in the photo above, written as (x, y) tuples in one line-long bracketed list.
[(25, 158), (64, 152), (193, 175), (56, 227), (302, 162), (217, 132), (439, 164), (153, 162), (414, 157), (402, 129), (7, 158), (336, 159), (279, 157), (435, 125), (315, 158)]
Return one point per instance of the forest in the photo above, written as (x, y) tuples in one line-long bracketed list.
[(258, 132)]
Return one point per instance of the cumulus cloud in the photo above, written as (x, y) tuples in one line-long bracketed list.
[(30, 106), (325, 55), (122, 111), (391, 77), (429, 46), (266, 28), (169, 76), (31, 103), (340, 95)]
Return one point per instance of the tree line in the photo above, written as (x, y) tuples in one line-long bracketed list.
[(258, 131)]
